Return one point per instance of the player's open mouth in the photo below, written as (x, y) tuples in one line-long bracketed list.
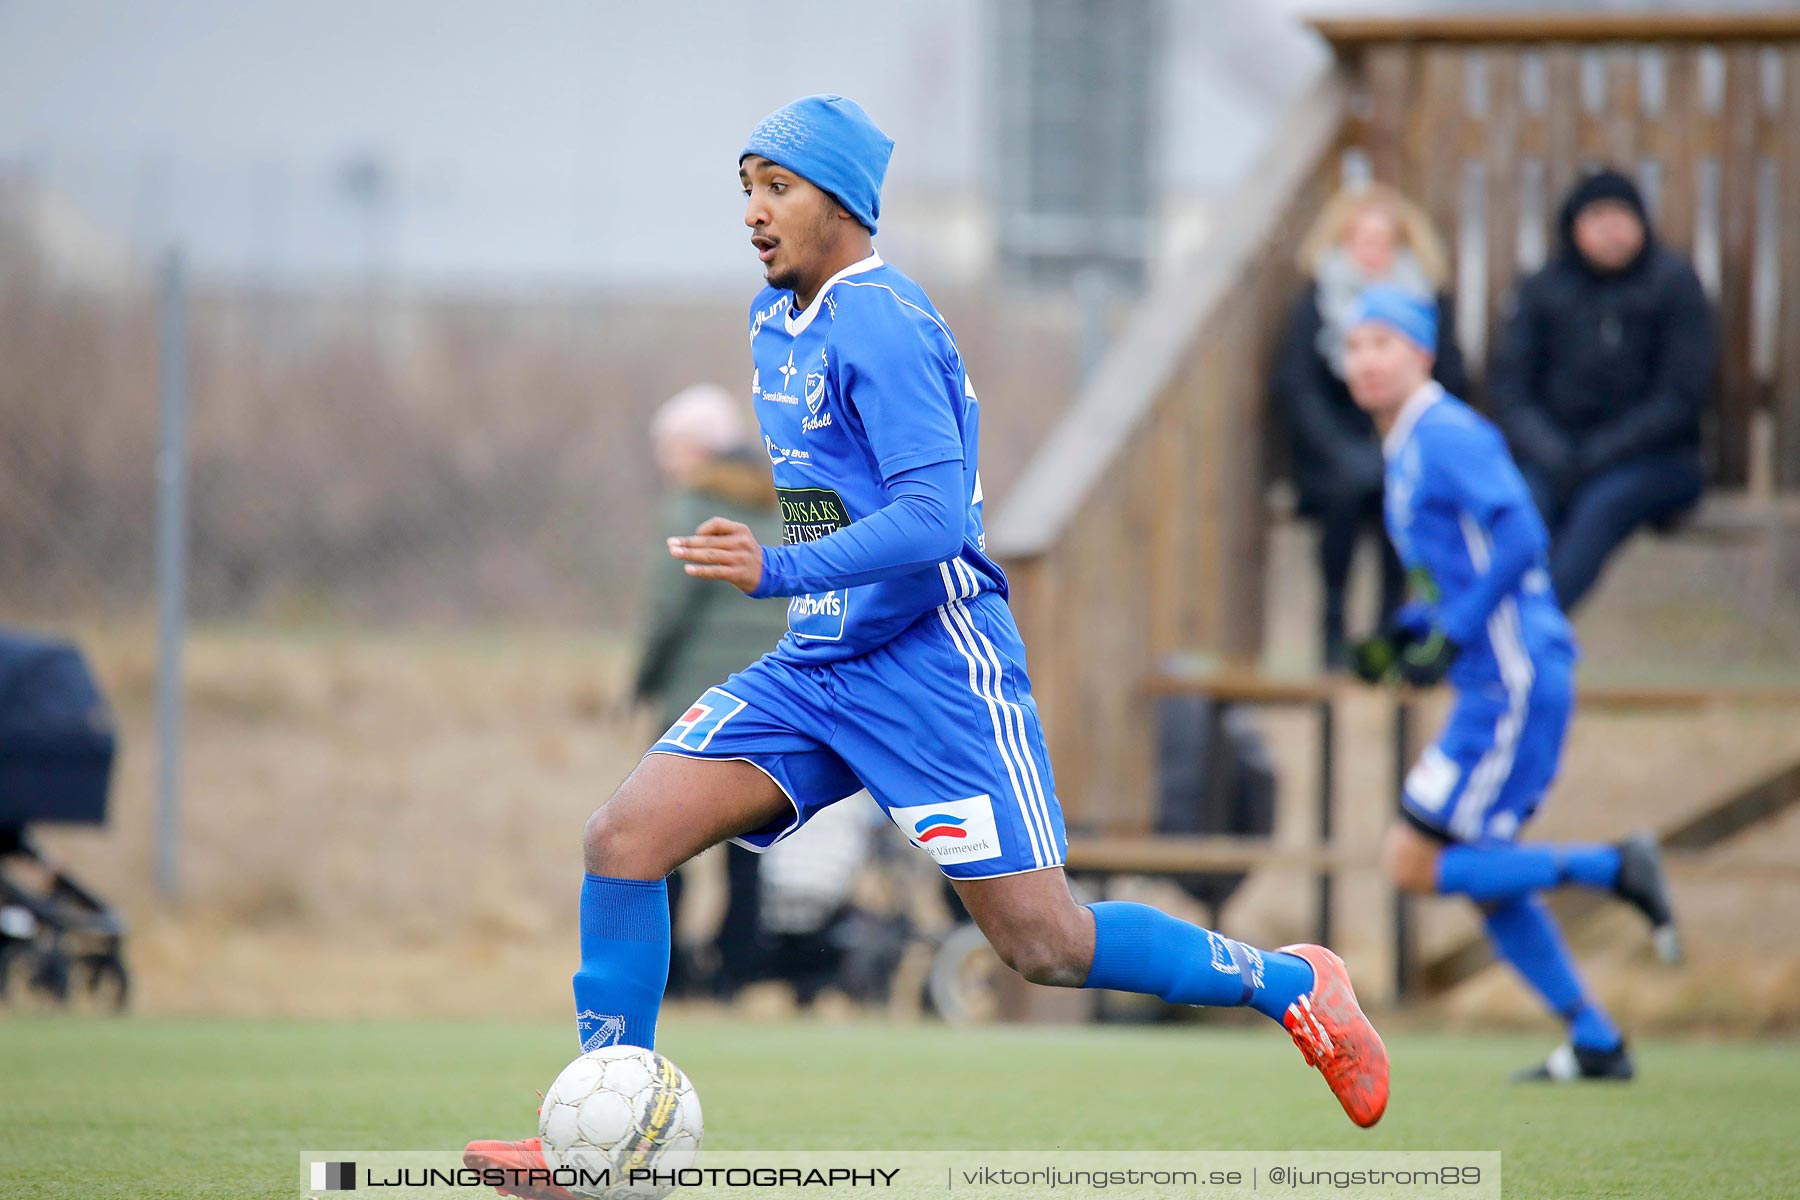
[(765, 247)]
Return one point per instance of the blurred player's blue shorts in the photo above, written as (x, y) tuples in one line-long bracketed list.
[(1498, 753), (938, 724)]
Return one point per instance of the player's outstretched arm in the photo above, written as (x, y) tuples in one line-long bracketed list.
[(921, 526), (721, 549), (1516, 541)]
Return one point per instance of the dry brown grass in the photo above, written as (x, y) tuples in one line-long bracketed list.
[(382, 824)]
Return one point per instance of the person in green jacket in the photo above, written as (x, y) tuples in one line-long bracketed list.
[(697, 632)]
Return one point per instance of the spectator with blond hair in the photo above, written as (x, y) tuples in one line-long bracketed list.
[(1366, 235)]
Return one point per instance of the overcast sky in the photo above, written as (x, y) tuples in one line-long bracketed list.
[(520, 140)]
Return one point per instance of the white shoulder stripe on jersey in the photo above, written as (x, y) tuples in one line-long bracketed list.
[(902, 299)]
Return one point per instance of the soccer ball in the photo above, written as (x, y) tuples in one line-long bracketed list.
[(619, 1109)]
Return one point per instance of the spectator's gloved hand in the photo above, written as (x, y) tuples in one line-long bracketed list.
[(1426, 659), (1377, 659), (1372, 659), (1411, 622)]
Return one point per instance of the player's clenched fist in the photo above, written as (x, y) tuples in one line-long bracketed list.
[(721, 549)]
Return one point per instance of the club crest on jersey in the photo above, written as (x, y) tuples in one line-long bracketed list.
[(815, 400), (696, 727)]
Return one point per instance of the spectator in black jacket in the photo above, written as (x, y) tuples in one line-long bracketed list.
[(1599, 379), (1366, 235)]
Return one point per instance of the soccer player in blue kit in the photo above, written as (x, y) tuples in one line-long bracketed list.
[(902, 670), (1481, 613)]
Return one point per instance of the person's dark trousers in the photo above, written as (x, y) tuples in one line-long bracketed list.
[(1589, 520), (741, 942), (737, 952), (1343, 520)]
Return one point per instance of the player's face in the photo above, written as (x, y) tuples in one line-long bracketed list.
[(1609, 235), (793, 225), (1383, 368)]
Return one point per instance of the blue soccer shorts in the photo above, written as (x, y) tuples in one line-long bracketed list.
[(1497, 755), (938, 724)]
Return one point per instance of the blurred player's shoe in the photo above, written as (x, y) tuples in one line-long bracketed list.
[(527, 1174), (1334, 1035), (1643, 885), (1572, 1064)]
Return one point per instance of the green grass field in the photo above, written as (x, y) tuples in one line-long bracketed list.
[(95, 1108)]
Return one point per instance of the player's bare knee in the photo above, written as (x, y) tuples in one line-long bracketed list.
[(1411, 861), (1049, 962), (609, 845), (1054, 952)]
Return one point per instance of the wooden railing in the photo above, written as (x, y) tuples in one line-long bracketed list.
[(1137, 531), (1137, 535), (1489, 120)]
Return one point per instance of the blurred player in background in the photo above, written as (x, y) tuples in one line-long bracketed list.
[(698, 631), (1482, 614), (902, 670)]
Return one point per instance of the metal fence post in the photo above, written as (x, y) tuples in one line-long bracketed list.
[(171, 570)]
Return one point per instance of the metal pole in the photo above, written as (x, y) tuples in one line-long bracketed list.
[(171, 571), (1403, 933), (1327, 768)]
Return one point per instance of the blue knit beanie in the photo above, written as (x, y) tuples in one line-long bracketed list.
[(832, 142), (1409, 314)]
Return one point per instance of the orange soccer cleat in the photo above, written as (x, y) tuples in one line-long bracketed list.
[(524, 1172), (1334, 1035)]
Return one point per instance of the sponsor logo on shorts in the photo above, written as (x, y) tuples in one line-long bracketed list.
[(695, 729), (952, 831), (1432, 779), (939, 825)]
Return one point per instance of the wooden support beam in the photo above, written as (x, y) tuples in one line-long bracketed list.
[(1349, 33)]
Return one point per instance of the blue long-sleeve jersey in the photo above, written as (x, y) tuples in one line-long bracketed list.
[(1475, 549), (872, 430)]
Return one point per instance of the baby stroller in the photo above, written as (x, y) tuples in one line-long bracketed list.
[(59, 941)]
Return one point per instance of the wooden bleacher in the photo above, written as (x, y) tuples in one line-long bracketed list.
[(1137, 538)]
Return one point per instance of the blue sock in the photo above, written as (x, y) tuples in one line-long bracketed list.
[(1499, 872), (624, 961), (1525, 935), (1142, 949)]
